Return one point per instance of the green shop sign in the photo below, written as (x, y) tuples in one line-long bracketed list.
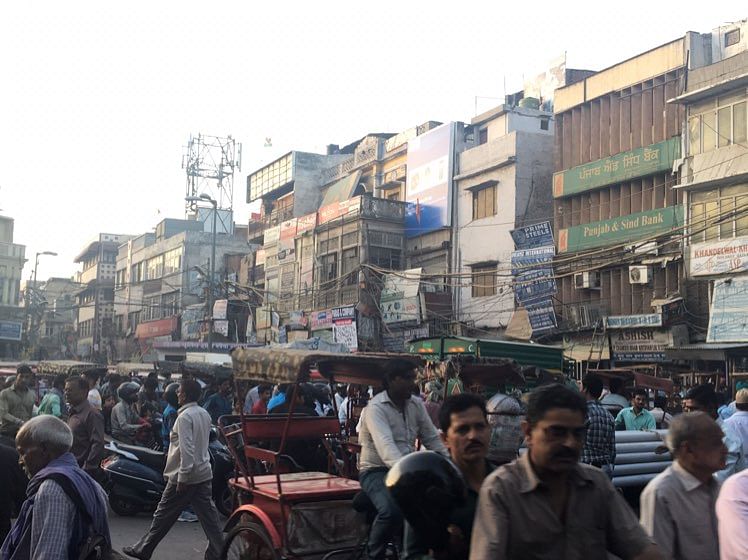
[(626, 228), (617, 168)]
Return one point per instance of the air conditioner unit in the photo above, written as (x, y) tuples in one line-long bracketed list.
[(639, 275), (587, 281)]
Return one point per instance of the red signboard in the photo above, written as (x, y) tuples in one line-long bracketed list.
[(338, 209), (152, 329), (306, 223)]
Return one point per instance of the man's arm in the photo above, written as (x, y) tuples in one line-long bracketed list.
[(490, 527), (52, 523), (185, 432), (123, 419), (95, 427), (657, 521), (381, 433), (427, 431)]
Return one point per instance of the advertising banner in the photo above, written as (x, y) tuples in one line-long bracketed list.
[(220, 309), (727, 316), (541, 315), (344, 332), (622, 229), (719, 257), (429, 180), (192, 320), (339, 209), (305, 223), (535, 235), (399, 301), (343, 313), (633, 321), (10, 330), (533, 273), (271, 235), (321, 320), (287, 241), (615, 169)]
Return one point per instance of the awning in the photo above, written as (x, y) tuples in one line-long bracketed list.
[(342, 189), (706, 351)]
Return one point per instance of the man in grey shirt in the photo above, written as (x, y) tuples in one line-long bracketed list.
[(390, 425), (678, 505), (17, 402)]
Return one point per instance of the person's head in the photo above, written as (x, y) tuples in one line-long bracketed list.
[(639, 399), (146, 411), (92, 377), (592, 386), (115, 380), (661, 403), (225, 387), (616, 386), (128, 392), (76, 390), (59, 382), (24, 378), (189, 391), (170, 394), (741, 400), (465, 430), (150, 385), (265, 391), (41, 440), (342, 390), (701, 399), (695, 440), (555, 427), (400, 378)]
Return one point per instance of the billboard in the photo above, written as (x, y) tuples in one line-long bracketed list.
[(727, 320), (729, 256), (428, 189)]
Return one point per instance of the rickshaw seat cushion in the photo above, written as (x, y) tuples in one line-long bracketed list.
[(299, 486), (271, 427)]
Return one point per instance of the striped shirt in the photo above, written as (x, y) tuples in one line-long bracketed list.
[(600, 445)]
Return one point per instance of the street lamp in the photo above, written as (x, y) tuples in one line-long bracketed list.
[(206, 198)]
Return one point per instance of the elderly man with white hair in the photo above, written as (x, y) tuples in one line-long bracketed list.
[(678, 505), (65, 509)]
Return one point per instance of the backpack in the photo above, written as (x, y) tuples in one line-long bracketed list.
[(94, 546)]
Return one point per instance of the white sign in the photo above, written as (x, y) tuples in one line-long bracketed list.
[(633, 321), (221, 326), (401, 310), (345, 332), (220, 309), (719, 257)]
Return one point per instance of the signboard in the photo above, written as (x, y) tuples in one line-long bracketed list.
[(271, 235), (640, 344), (297, 319), (533, 272), (287, 241), (192, 320), (321, 320), (10, 330), (619, 230), (428, 189), (719, 257), (615, 169), (399, 300), (535, 235), (344, 332), (728, 320), (220, 309), (306, 223), (401, 310), (343, 313), (633, 321), (541, 315), (152, 329), (260, 256), (221, 326), (339, 209)]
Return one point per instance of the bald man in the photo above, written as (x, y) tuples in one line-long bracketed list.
[(678, 505)]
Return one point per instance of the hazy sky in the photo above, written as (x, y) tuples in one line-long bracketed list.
[(97, 99)]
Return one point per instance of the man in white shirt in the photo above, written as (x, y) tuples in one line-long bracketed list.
[(732, 513), (678, 505), (188, 478), (388, 431), (737, 423)]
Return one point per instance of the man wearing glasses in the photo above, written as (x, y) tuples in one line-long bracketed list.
[(547, 505)]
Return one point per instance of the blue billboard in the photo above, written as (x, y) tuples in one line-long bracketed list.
[(536, 235), (10, 330), (727, 317), (428, 189)]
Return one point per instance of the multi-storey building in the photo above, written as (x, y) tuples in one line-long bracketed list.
[(52, 332), (12, 259), (95, 300), (160, 276), (714, 184)]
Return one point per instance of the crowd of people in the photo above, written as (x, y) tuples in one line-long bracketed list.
[(553, 499)]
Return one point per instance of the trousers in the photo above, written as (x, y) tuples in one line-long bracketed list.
[(389, 520), (171, 505)]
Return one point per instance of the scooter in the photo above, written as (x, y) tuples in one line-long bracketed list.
[(135, 478)]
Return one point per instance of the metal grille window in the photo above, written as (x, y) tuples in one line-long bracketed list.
[(719, 213), (173, 261), (329, 267), (484, 202), (484, 281), (170, 304), (390, 259), (717, 123), (349, 265)]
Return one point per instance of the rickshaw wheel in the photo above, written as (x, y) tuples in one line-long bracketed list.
[(248, 541)]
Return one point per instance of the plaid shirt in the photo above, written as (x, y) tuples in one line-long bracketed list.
[(600, 446)]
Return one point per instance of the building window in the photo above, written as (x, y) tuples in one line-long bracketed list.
[(484, 202), (483, 136), (155, 268), (389, 259), (349, 265), (719, 213), (544, 124), (329, 265), (732, 37), (717, 123), (484, 281), (173, 261), (170, 304)]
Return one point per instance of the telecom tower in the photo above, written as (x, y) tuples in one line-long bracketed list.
[(210, 162)]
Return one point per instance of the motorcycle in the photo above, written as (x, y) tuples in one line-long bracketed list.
[(135, 478)]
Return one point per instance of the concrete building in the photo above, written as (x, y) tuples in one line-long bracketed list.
[(714, 187), (12, 259), (160, 276), (52, 332), (503, 183), (95, 300)]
